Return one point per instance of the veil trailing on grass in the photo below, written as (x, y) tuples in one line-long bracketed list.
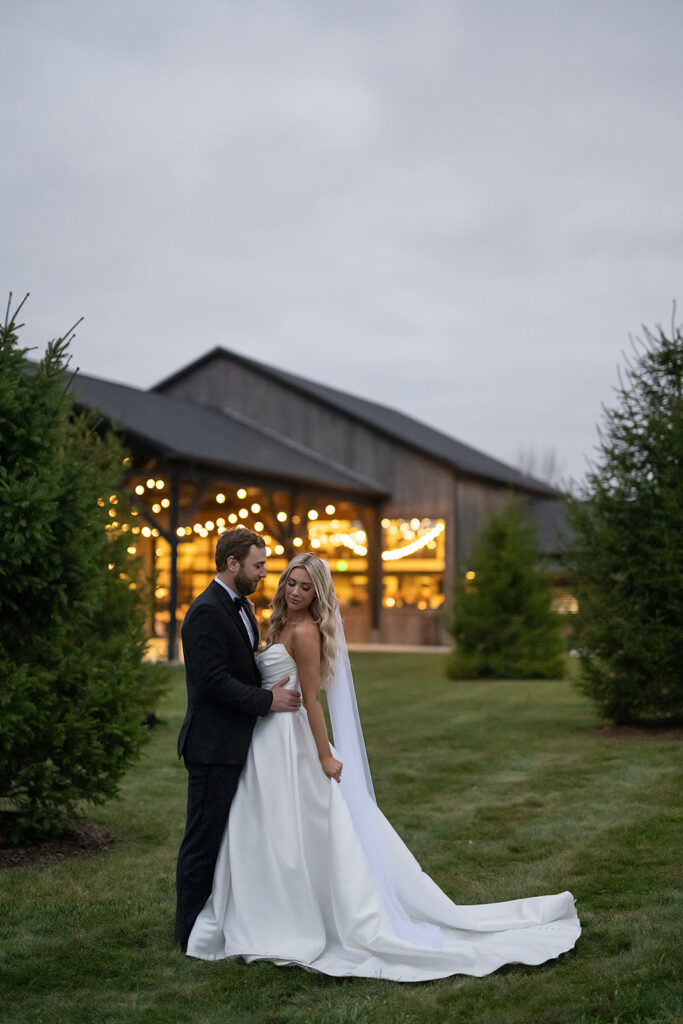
[(359, 793)]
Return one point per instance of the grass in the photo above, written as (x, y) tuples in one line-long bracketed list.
[(501, 790)]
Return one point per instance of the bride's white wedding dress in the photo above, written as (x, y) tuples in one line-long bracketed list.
[(293, 885)]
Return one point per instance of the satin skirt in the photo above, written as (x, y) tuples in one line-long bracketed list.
[(292, 883)]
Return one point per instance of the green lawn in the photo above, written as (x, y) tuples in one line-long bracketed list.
[(501, 790)]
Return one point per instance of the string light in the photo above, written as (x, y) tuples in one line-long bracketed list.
[(243, 513), (232, 518), (279, 550), (220, 498), (258, 527), (282, 517), (156, 508), (470, 574), (297, 542), (151, 483), (312, 514), (165, 502), (241, 494), (256, 507), (415, 545), (330, 509), (159, 485)]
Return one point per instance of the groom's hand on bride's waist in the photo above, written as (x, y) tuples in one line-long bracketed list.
[(285, 700)]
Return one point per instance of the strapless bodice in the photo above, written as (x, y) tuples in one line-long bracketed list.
[(274, 664)]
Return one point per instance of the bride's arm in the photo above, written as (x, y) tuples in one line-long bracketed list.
[(306, 650)]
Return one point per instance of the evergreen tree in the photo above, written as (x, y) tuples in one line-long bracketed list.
[(72, 687), (503, 625), (628, 549)]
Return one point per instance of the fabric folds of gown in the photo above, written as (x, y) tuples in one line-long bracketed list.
[(292, 883)]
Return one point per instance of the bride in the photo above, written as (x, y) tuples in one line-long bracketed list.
[(309, 871)]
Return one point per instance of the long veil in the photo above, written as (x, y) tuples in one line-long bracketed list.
[(359, 793)]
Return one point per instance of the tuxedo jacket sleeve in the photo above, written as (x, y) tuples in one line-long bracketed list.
[(224, 695)]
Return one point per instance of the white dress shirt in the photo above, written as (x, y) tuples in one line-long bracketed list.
[(243, 612)]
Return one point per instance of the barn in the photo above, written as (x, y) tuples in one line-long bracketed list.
[(390, 503)]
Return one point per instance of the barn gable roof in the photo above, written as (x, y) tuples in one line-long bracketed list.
[(202, 436), (396, 425)]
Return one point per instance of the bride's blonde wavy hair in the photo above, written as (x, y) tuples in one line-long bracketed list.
[(322, 609)]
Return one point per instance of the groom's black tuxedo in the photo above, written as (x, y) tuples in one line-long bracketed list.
[(224, 699), (224, 695)]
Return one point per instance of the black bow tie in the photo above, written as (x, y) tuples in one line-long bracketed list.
[(241, 602)]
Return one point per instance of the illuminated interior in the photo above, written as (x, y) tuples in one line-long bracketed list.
[(413, 560)]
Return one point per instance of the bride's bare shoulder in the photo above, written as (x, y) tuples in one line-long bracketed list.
[(305, 637)]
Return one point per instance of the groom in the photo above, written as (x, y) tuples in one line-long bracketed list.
[(224, 699)]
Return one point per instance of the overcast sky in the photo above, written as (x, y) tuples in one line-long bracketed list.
[(459, 208)]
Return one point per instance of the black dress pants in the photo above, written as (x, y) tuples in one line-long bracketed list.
[(210, 790)]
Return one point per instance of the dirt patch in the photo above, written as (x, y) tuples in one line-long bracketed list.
[(634, 732), (85, 840)]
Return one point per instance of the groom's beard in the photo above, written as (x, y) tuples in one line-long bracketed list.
[(244, 584)]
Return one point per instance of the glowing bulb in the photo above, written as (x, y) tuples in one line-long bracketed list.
[(232, 518), (315, 543), (181, 531), (330, 509), (279, 550), (220, 498), (151, 483), (470, 575), (258, 527), (156, 508), (139, 489), (256, 507), (220, 521), (208, 525), (241, 493), (132, 549), (165, 502), (312, 514), (243, 513), (386, 523), (159, 485), (146, 532), (297, 542), (281, 517)]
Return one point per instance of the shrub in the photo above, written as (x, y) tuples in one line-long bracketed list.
[(71, 628), (628, 548), (503, 625)]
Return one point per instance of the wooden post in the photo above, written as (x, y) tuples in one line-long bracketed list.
[(374, 533), (173, 584)]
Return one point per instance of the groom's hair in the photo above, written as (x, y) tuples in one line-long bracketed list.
[(236, 543)]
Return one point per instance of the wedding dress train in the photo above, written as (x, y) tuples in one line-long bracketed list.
[(293, 884)]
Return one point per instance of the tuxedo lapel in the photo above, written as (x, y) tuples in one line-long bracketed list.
[(233, 612)]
